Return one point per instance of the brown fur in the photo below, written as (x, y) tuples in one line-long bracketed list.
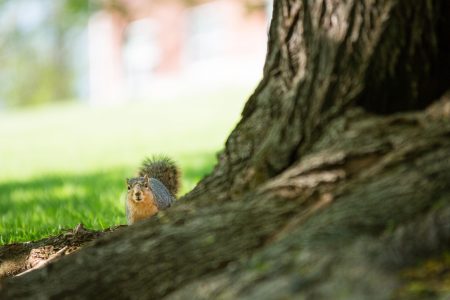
[(142, 207)]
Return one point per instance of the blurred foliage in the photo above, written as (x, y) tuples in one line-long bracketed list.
[(37, 49)]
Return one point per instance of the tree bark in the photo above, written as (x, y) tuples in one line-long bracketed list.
[(321, 192)]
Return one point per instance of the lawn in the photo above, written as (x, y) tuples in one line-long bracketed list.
[(65, 164)]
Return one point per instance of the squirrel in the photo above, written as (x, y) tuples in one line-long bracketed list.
[(153, 190)]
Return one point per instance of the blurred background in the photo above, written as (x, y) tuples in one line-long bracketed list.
[(103, 52), (90, 88)]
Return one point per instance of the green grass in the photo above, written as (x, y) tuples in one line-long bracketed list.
[(62, 165)]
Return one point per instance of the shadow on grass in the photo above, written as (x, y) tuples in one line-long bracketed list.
[(43, 206)]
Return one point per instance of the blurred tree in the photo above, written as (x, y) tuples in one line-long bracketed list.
[(316, 195), (38, 43)]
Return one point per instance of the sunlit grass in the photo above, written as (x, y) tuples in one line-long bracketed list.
[(62, 165)]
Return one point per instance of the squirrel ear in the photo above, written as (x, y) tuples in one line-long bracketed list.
[(146, 177), (128, 180)]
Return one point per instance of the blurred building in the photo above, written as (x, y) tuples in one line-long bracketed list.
[(141, 49)]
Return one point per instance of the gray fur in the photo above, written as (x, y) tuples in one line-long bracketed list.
[(127, 212), (162, 196)]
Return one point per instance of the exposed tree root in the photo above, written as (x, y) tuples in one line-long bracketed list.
[(20, 258)]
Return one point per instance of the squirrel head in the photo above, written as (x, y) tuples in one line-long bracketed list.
[(139, 189)]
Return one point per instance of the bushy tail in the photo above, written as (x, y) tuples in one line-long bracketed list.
[(164, 169)]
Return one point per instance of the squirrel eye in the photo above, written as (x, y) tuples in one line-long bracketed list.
[(129, 187)]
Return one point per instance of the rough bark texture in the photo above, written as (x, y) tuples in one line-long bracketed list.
[(315, 196)]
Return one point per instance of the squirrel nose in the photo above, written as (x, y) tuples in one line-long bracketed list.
[(137, 193)]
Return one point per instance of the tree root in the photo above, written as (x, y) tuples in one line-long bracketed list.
[(20, 258)]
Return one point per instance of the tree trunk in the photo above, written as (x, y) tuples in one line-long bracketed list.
[(328, 188)]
